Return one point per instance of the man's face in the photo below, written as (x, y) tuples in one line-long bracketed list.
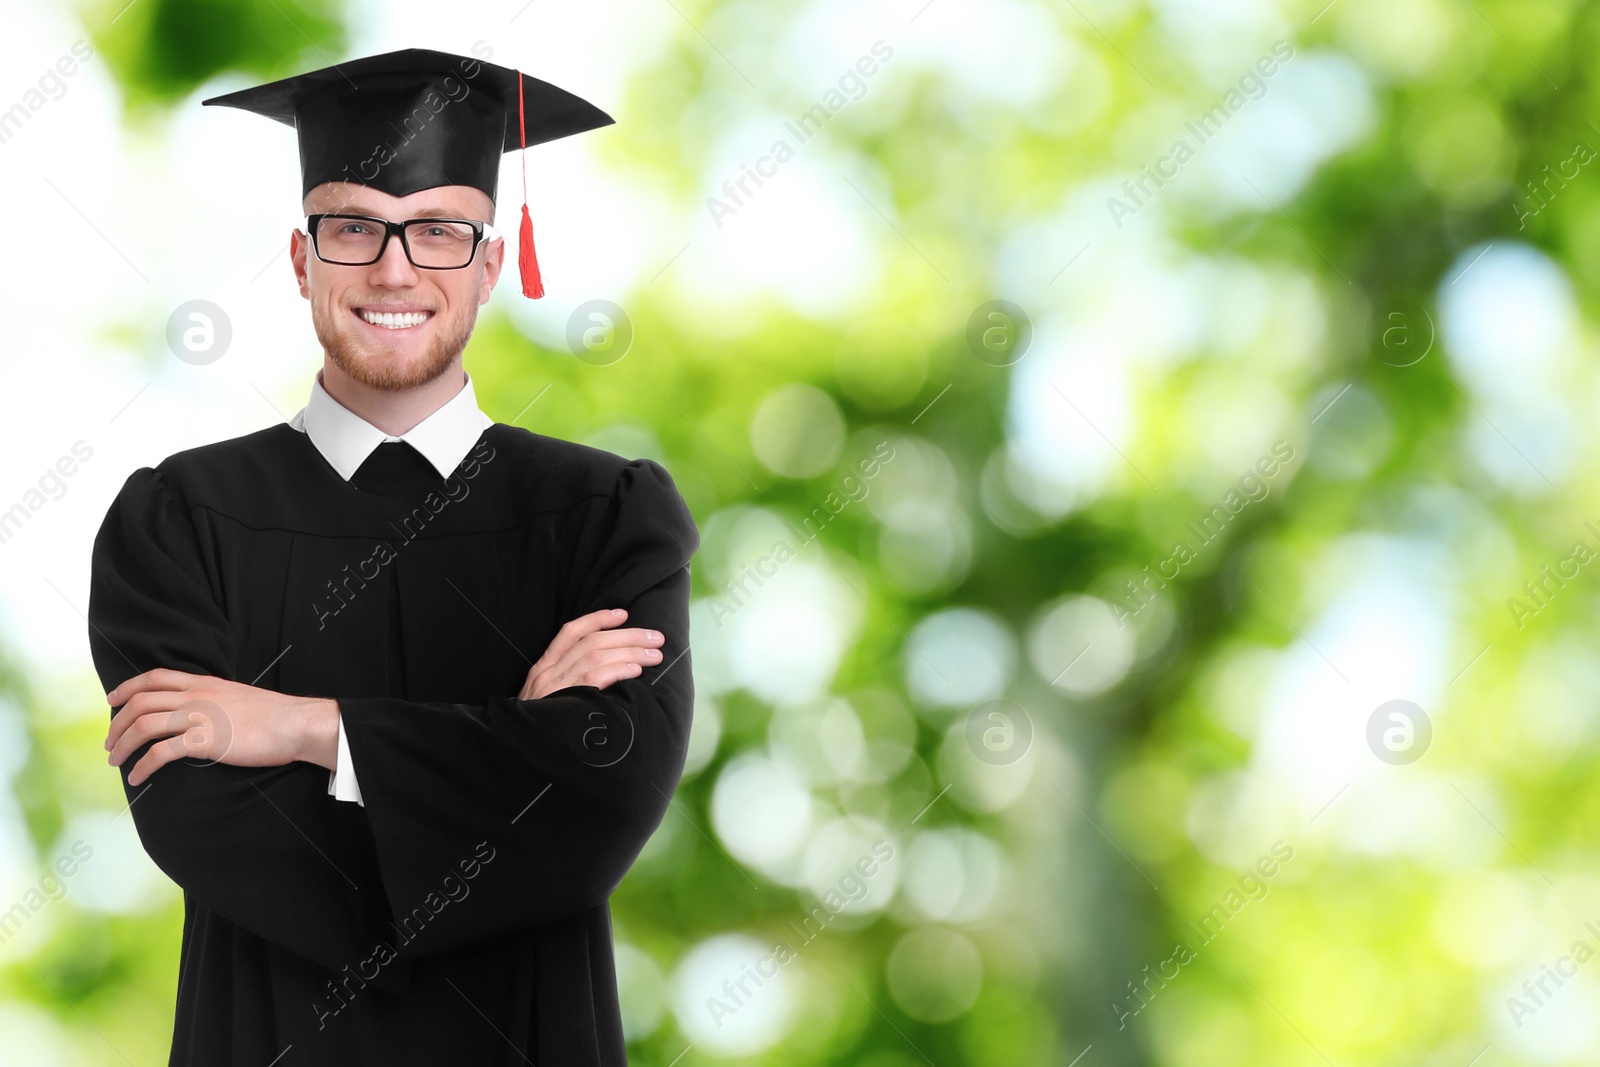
[(343, 299)]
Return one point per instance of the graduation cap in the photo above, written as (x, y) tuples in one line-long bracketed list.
[(415, 119)]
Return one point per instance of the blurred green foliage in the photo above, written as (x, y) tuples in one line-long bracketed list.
[(1361, 952), (162, 50)]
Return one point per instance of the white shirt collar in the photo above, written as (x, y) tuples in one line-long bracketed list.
[(345, 439)]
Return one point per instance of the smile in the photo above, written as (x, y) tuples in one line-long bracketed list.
[(394, 320)]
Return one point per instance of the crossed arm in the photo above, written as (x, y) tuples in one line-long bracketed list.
[(198, 716)]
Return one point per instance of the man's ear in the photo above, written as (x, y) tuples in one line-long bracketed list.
[(298, 243), (494, 254)]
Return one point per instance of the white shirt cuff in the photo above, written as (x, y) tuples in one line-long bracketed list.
[(342, 784)]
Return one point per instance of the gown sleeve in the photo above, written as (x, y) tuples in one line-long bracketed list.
[(559, 793), (255, 845)]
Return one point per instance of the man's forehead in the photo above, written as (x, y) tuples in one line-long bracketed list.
[(440, 199)]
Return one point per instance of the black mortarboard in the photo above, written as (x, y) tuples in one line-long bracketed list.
[(414, 119)]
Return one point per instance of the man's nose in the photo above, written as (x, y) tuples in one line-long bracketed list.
[(393, 269)]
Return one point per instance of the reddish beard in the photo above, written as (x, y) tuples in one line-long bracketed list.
[(360, 359)]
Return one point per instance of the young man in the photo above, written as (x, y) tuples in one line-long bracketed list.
[(362, 592)]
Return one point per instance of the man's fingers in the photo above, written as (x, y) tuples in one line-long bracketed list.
[(586, 633), (589, 650), (600, 660), (634, 637), (137, 684), (159, 756), (160, 678), (161, 682), (599, 668), (136, 707), (148, 726), (574, 631), (599, 677), (199, 721)]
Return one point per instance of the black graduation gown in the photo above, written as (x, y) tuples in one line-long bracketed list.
[(461, 915)]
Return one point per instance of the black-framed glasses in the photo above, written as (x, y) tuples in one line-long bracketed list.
[(360, 240)]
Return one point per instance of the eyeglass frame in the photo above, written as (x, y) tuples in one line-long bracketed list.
[(481, 231)]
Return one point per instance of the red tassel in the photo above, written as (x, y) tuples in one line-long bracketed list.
[(532, 284)]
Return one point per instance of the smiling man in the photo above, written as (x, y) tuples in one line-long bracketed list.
[(372, 698)]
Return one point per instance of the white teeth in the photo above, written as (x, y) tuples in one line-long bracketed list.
[(392, 321)]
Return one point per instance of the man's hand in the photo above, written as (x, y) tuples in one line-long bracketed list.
[(209, 718), (586, 652)]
